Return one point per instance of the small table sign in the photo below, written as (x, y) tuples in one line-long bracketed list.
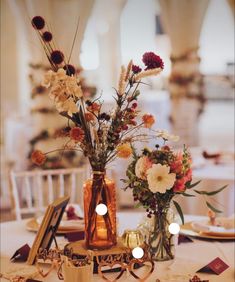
[(216, 266)]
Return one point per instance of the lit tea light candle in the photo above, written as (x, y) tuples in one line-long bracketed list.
[(132, 239), (102, 233)]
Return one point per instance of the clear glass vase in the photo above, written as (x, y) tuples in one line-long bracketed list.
[(100, 230), (160, 240)]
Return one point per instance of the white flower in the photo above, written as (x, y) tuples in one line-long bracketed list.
[(159, 178), (78, 92), (68, 106), (167, 136), (48, 78), (61, 74), (141, 167)]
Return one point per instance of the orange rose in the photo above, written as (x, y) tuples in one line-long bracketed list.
[(94, 107), (124, 150), (77, 134), (89, 117), (148, 120), (38, 157)]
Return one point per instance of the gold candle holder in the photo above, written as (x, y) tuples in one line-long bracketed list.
[(132, 239)]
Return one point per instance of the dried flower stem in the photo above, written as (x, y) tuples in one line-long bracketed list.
[(121, 84), (147, 73), (128, 70)]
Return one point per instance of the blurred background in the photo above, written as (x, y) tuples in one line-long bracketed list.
[(193, 97)]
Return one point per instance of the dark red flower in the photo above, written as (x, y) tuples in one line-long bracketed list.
[(136, 69), (152, 61), (134, 105), (47, 36), (38, 22), (70, 70), (57, 57), (71, 214), (125, 127), (77, 134)]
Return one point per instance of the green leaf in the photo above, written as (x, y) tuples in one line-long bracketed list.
[(212, 208), (189, 186), (212, 192), (187, 195), (138, 205), (179, 210)]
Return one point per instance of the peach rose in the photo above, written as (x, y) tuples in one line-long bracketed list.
[(148, 120), (38, 157)]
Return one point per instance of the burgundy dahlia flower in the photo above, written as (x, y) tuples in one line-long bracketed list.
[(152, 61), (136, 69)]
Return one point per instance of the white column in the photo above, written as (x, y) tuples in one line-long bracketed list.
[(183, 21), (108, 33)]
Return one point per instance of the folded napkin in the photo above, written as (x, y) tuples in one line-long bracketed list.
[(184, 239), (205, 228), (227, 223), (75, 236), (21, 254)]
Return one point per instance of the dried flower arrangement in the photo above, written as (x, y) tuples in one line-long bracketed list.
[(100, 135)]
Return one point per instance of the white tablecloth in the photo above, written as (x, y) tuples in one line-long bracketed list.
[(189, 256)]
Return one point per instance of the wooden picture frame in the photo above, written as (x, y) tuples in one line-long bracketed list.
[(48, 227)]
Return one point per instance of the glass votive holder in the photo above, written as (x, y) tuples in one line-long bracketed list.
[(132, 239)]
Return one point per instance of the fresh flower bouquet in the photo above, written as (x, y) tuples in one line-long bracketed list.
[(156, 177), (101, 136)]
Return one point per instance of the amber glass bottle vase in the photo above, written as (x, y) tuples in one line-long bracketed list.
[(100, 230)]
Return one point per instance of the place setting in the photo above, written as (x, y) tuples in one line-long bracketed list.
[(217, 228), (72, 221)]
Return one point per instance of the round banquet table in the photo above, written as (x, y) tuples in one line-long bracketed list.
[(190, 257)]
